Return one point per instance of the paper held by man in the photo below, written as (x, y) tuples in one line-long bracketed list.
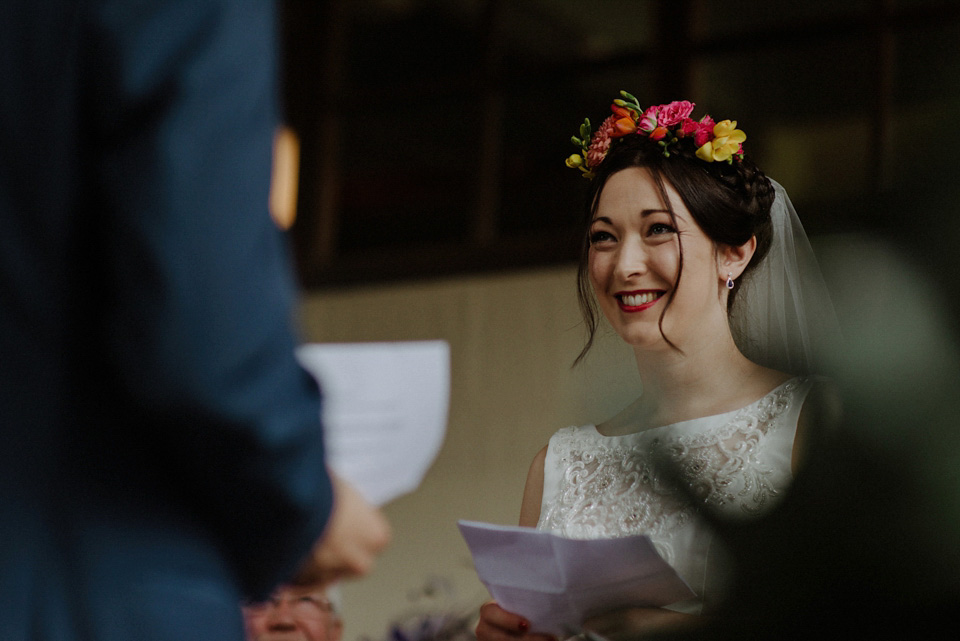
[(384, 410), (556, 582)]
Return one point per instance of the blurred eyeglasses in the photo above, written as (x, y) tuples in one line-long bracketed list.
[(303, 606)]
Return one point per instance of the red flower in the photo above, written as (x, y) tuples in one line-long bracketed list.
[(622, 127), (659, 133), (687, 128), (624, 121), (704, 133)]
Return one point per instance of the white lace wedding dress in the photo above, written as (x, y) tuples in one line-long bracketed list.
[(597, 486)]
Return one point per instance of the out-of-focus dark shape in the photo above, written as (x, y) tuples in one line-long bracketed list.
[(865, 542)]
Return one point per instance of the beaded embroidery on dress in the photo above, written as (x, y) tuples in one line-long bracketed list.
[(598, 486)]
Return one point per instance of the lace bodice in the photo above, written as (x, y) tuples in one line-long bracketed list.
[(738, 462)]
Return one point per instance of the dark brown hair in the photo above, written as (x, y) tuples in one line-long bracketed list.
[(730, 202)]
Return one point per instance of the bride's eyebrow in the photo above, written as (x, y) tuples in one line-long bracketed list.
[(643, 214), (647, 212)]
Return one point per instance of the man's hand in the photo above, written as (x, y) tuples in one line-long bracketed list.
[(356, 533)]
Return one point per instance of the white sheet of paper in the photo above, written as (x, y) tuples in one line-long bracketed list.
[(556, 582), (384, 410)]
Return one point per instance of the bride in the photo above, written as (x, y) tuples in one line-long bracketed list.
[(697, 261)]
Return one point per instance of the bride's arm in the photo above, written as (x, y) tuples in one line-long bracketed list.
[(496, 624), (533, 491)]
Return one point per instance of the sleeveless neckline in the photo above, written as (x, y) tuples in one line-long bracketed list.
[(735, 464), (709, 417)]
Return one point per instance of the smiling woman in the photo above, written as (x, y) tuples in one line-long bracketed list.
[(633, 263), (684, 237), (728, 203)]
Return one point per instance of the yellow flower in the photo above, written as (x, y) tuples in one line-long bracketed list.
[(726, 142), (574, 161)]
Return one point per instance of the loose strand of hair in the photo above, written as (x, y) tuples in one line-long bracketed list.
[(585, 295), (588, 311)]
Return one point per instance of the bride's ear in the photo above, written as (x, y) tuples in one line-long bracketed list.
[(733, 259)]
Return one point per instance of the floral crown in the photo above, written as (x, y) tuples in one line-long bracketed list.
[(669, 125)]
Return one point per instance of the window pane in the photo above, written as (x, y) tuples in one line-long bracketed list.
[(714, 19), (926, 99), (408, 147), (806, 111), (573, 29), (409, 172), (928, 64)]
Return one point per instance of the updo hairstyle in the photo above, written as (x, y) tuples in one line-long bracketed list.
[(730, 202)]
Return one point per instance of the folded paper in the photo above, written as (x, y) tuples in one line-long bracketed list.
[(556, 582)]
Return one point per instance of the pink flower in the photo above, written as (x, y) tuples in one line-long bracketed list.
[(600, 143), (674, 112), (648, 121)]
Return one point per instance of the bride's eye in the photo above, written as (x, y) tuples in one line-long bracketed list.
[(600, 236), (657, 229)]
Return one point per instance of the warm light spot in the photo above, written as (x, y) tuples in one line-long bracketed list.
[(283, 181)]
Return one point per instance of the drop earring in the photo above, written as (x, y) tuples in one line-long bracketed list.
[(729, 280)]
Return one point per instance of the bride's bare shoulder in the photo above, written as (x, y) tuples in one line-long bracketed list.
[(533, 491)]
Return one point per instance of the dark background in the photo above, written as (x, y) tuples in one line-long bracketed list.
[(433, 132)]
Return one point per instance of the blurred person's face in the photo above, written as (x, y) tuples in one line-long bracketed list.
[(293, 614)]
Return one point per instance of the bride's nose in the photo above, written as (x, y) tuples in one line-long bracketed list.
[(631, 260)]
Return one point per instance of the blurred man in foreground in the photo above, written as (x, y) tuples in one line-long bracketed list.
[(162, 449)]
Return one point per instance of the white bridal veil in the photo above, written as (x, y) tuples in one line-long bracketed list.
[(782, 316)]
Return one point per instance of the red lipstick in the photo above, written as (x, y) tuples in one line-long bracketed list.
[(638, 300)]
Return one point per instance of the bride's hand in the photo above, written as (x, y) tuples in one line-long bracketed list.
[(632, 622), (496, 624)]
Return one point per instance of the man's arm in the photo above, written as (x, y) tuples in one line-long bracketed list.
[(181, 99)]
